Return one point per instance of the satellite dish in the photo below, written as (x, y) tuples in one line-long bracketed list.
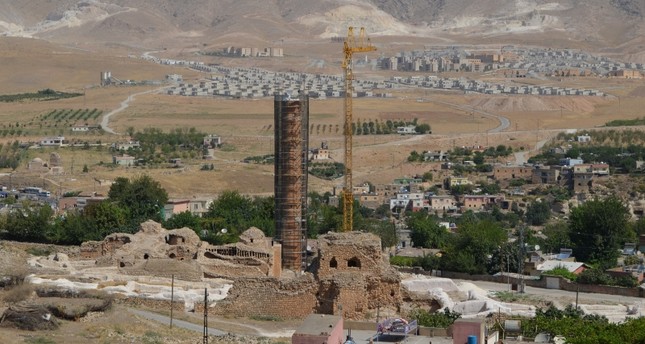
[(224, 231), (537, 247)]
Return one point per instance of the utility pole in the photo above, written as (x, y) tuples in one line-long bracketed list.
[(172, 296), (520, 266), (205, 315)]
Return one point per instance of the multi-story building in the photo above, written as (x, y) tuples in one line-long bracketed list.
[(479, 202), (501, 172), (595, 169), (408, 201), (546, 175), (445, 203)]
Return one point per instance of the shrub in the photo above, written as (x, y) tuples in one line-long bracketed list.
[(403, 261), (560, 271), (437, 319)]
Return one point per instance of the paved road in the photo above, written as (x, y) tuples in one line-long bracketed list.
[(175, 322)]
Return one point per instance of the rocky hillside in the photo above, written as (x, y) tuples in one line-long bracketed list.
[(607, 23)]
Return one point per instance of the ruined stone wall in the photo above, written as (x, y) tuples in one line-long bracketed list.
[(352, 295), (353, 252), (230, 271), (286, 299), (183, 270), (91, 249)]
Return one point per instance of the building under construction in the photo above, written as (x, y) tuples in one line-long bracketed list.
[(291, 122)]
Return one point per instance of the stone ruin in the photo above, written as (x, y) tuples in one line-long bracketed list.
[(347, 276), (160, 252)]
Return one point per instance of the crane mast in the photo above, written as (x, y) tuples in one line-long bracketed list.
[(352, 45)]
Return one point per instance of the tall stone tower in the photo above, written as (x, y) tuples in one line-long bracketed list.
[(291, 122)]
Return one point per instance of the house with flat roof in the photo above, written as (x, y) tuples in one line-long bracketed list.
[(52, 141), (123, 160), (479, 202), (319, 328), (406, 130), (174, 207)]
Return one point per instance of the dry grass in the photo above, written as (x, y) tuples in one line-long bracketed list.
[(247, 124), (19, 293)]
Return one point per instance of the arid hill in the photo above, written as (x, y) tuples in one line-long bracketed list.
[(600, 24)]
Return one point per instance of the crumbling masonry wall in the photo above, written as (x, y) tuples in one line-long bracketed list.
[(285, 299)]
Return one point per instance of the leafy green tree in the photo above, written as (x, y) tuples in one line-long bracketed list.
[(557, 237), (490, 188), (538, 212), (143, 197), (423, 129), (597, 230), (184, 219), (31, 223), (426, 231), (72, 229), (478, 159), (440, 319), (383, 229), (415, 156), (595, 276), (475, 241), (504, 259), (237, 213), (639, 226), (463, 189), (105, 218)]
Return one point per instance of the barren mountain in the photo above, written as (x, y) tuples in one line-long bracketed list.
[(612, 24)]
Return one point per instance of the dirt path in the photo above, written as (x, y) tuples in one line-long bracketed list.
[(176, 322), (257, 331), (124, 105), (504, 122)]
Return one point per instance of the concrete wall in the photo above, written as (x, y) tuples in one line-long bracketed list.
[(462, 328)]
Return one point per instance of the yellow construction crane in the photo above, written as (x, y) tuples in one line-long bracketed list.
[(352, 45)]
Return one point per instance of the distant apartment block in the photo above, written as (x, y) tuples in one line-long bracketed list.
[(627, 74), (254, 52)]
